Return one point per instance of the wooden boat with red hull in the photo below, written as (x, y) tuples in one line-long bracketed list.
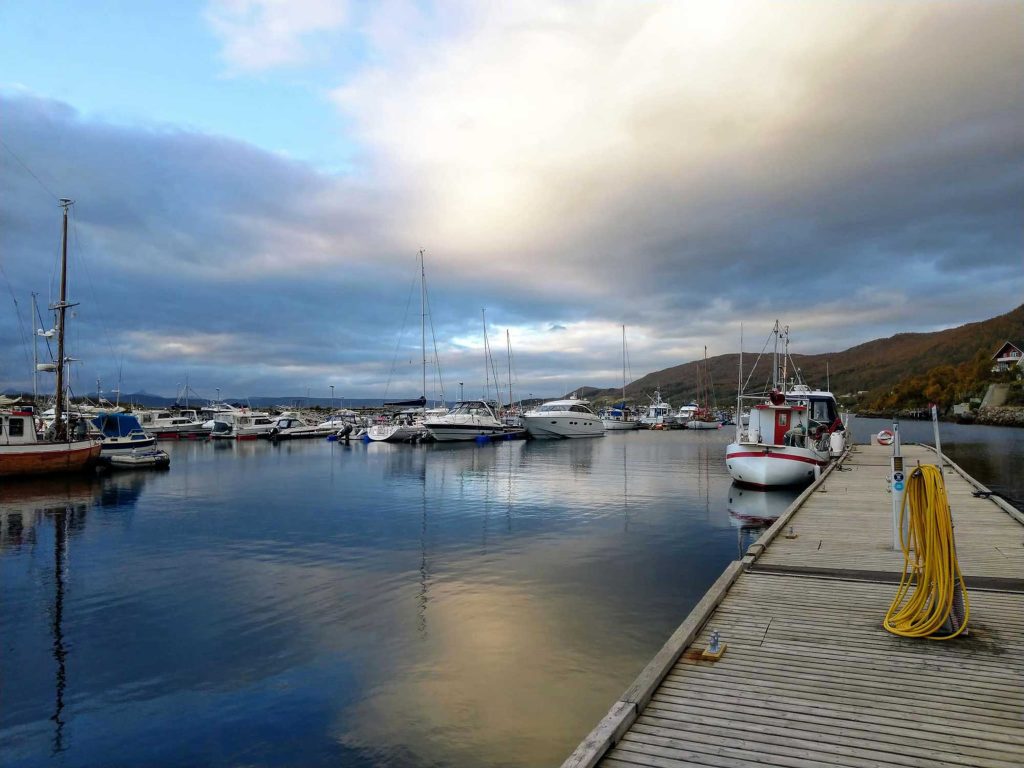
[(65, 448), (33, 457)]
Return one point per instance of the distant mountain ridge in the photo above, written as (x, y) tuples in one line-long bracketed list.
[(873, 367)]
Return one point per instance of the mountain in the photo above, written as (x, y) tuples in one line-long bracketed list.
[(873, 367)]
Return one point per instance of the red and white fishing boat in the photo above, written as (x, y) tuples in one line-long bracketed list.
[(793, 433)]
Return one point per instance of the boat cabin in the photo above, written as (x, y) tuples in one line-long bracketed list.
[(788, 419), (119, 425), (17, 428)]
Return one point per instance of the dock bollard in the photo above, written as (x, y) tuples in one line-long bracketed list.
[(715, 647)]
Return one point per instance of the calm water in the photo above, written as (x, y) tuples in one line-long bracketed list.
[(312, 603)]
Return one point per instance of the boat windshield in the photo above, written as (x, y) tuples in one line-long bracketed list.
[(471, 408)]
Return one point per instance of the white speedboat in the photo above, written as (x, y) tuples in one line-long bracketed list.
[(563, 418), (403, 427), (468, 420), (290, 427), (792, 434)]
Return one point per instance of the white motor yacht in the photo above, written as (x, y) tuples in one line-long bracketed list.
[(563, 418), (290, 426), (240, 424), (171, 424), (468, 420)]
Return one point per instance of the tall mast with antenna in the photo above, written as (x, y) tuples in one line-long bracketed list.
[(61, 307), (775, 357)]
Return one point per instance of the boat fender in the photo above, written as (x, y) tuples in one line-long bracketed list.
[(885, 437)]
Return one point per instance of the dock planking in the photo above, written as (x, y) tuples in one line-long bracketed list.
[(810, 678)]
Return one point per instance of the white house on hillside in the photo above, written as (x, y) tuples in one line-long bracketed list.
[(1008, 356)]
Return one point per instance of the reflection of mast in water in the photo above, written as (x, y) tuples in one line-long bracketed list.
[(508, 502), (625, 488), (57, 624), (704, 476), (424, 594)]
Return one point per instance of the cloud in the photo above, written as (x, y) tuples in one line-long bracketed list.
[(624, 145), (258, 35), (854, 169)]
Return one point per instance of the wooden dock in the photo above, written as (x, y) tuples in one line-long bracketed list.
[(809, 677)]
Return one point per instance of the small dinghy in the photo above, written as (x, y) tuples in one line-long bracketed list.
[(139, 458)]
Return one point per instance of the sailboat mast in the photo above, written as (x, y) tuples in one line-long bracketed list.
[(35, 353), (423, 322), (487, 375), (58, 408), (623, 369), (508, 346)]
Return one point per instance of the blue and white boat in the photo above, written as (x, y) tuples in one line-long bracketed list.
[(120, 432)]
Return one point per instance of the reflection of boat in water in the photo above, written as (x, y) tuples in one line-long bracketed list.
[(751, 507), (24, 502)]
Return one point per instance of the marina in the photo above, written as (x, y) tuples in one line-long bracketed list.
[(352, 602), (713, 288), (808, 676)]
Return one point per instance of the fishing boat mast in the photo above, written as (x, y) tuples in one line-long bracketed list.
[(60, 428)]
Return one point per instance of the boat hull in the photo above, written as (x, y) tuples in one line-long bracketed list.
[(694, 424), (764, 466), (448, 433), (392, 433), (618, 425), (116, 445), (546, 427), (48, 458)]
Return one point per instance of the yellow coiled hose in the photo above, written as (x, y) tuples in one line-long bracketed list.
[(939, 595)]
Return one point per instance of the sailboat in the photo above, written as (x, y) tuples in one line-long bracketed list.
[(704, 417), (407, 425), (619, 417), (64, 448)]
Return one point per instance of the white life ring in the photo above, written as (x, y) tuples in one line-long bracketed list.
[(886, 437)]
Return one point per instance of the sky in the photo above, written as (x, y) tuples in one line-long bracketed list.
[(254, 179)]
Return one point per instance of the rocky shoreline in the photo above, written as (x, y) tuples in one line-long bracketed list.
[(996, 416), (1001, 416)]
